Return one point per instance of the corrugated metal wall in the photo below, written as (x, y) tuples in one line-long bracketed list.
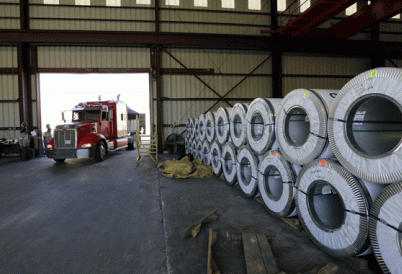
[(230, 67), (318, 72), (9, 106), (215, 19), (391, 30), (93, 57), (68, 16), (9, 14), (134, 17)]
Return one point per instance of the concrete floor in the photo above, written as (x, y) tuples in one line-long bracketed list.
[(120, 217)]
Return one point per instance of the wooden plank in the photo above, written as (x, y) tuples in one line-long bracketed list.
[(293, 222), (211, 265), (267, 255), (197, 228), (187, 232), (329, 268), (254, 261)]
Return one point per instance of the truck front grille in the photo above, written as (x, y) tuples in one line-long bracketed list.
[(65, 138)]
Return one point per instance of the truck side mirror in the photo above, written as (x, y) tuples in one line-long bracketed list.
[(62, 116)]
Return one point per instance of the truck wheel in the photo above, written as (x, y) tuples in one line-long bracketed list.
[(59, 160), (101, 152), (131, 144)]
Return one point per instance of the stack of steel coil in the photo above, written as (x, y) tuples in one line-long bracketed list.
[(333, 158)]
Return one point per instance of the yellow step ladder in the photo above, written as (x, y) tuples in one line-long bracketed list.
[(146, 144)]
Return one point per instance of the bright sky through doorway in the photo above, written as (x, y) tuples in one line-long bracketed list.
[(63, 91)]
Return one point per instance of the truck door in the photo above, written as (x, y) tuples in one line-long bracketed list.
[(105, 124)]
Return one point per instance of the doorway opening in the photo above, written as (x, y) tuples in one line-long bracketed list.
[(63, 91)]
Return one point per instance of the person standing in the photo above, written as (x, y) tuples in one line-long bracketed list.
[(46, 137)]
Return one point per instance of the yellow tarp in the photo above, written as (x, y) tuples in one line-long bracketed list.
[(184, 168)]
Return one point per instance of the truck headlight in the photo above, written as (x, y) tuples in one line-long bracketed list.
[(87, 145), (49, 147)]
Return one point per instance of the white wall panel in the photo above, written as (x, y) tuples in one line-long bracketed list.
[(293, 64), (93, 57), (290, 84), (8, 57), (93, 18), (9, 111), (7, 11), (395, 61), (222, 61), (9, 118), (394, 29), (9, 87), (221, 22)]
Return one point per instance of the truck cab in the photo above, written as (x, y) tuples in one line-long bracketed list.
[(96, 128)]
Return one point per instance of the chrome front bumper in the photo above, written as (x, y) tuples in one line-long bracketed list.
[(71, 153)]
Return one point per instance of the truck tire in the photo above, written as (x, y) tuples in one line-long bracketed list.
[(101, 152), (131, 144), (59, 160)]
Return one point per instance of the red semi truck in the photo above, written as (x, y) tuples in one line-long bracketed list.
[(97, 128)]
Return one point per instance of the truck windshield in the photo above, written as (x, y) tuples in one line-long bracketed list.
[(86, 115)]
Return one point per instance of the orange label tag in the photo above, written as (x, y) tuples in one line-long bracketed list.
[(323, 162), (275, 153)]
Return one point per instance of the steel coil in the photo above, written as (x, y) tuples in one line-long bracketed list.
[(276, 177), (196, 129), (188, 145), (210, 126), (222, 125), (229, 156), (200, 153), (216, 158), (238, 124), (386, 229), (202, 132), (301, 125), (247, 171), (194, 149), (188, 133), (206, 152), (365, 125), (261, 124), (333, 208), (191, 128)]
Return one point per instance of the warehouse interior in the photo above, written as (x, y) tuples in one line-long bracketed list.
[(120, 214)]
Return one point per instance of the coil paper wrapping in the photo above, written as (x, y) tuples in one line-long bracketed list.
[(206, 152), (196, 129), (222, 125), (276, 177), (332, 206), (201, 123), (229, 168), (386, 229), (247, 171), (365, 125), (301, 125), (216, 158), (210, 126), (188, 145), (194, 148), (200, 152), (261, 124), (238, 124)]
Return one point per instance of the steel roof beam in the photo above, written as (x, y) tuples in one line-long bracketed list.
[(303, 45), (377, 11), (316, 15)]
